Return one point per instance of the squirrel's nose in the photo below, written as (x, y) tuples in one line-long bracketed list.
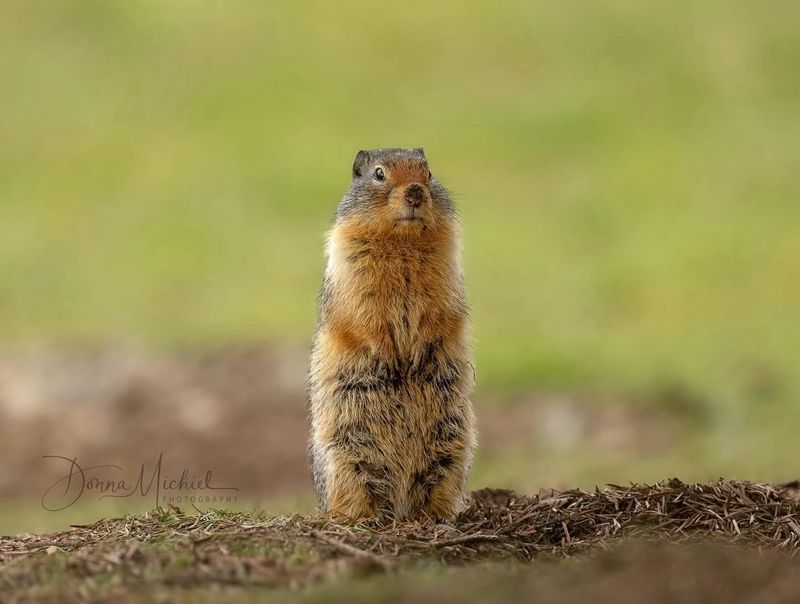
[(414, 195)]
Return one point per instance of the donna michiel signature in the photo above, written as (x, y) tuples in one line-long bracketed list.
[(79, 480)]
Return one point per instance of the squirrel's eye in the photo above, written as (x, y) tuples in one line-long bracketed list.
[(379, 175)]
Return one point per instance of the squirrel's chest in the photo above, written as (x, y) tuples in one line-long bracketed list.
[(401, 289), (403, 295)]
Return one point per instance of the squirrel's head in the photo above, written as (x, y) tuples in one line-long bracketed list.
[(394, 192)]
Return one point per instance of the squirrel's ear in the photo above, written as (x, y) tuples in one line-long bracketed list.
[(420, 151), (361, 161)]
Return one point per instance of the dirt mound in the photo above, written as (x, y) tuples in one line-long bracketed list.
[(165, 549)]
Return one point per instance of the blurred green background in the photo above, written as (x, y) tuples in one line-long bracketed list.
[(627, 174)]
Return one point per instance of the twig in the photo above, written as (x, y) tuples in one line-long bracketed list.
[(466, 539), (351, 550)]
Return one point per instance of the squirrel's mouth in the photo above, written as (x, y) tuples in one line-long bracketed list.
[(410, 215)]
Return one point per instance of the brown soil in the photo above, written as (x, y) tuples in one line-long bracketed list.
[(166, 553)]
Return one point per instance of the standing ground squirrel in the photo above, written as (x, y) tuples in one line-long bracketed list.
[(392, 426)]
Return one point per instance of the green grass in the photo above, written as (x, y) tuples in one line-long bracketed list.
[(626, 174)]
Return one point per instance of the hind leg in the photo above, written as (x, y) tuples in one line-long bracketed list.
[(348, 493), (447, 497)]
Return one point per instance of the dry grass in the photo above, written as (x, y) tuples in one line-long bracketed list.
[(169, 550)]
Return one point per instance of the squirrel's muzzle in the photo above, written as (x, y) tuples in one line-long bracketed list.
[(414, 195)]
